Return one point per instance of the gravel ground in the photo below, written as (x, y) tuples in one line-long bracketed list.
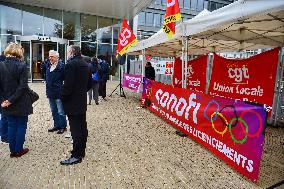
[(127, 147)]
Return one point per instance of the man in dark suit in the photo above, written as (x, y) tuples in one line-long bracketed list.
[(74, 98)]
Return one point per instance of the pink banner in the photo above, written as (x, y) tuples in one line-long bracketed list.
[(232, 130), (132, 82)]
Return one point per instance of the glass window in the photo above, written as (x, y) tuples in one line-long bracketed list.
[(10, 24), (105, 50), (116, 30), (32, 20), (212, 6), (186, 4), (157, 20), (89, 49), (61, 51), (141, 19), (180, 2), (88, 27), (206, 5), (104, 33), (149, 19), (162, 20), (200, 4), (52, 23), (164, 2), (77, 43), (26, 60), (5, 39), (71, 26), (219, 5), (193, 4), (158, 2)]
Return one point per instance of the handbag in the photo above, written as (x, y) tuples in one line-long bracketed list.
[(33, 95), (95, 76)]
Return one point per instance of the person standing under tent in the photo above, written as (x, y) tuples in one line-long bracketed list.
[(150, 71)]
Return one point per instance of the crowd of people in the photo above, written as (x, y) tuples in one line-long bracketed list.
[(67, 86)]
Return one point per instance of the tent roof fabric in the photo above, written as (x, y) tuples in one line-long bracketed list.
[(242, 25)]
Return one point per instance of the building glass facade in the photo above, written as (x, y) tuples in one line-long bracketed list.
[(151, 19), (39, 30)]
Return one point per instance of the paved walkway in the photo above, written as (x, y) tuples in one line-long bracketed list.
[(127, 147)]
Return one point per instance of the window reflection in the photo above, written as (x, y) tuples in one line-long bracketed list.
[(116, 30), (52, 23), (10, 24), (88, 27), (71, 27), (89, 49), (104, 33), (32, 20), (141, 18)]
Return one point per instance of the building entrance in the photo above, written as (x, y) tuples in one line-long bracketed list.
[(36, 49)]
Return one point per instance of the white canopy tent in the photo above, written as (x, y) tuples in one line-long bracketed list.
[(242, 25)]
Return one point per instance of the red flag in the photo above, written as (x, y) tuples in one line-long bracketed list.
[(126, 39), (172, 15)]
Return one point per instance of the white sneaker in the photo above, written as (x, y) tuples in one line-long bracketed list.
[(68, 135), (71, 141)]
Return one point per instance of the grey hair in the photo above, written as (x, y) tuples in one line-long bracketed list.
[(75, 50), (54, 53)]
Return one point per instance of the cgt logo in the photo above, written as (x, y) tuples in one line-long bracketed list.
[(239, 74), (125, 34), (180, 106), (190, 71)]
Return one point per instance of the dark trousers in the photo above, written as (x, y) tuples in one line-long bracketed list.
[(102, 89), (17, 126), (79, 133)]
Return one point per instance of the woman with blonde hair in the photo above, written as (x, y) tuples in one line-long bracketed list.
[(14, 98)]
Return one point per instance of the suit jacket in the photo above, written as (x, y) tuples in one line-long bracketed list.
[(54, 80), (76, 84)]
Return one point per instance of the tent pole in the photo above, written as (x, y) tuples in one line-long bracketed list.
[(126, 56), (277, 89), (143, 59), (182, 66), (210, 65), (186, 61)]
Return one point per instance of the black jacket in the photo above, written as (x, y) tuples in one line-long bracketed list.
[(14, 87), (76, 84), (150, 73), (54, 80)]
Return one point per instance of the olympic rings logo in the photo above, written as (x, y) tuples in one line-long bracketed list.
[(233, 122)]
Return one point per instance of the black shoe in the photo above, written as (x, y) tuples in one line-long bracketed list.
[(53, 129), (71, 161), (61, 131), (4, 141), (97, 103), (89, 103)]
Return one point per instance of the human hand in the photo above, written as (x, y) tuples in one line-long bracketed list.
[(5, 103)]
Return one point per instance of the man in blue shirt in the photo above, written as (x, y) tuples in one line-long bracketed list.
[(54, 84)]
